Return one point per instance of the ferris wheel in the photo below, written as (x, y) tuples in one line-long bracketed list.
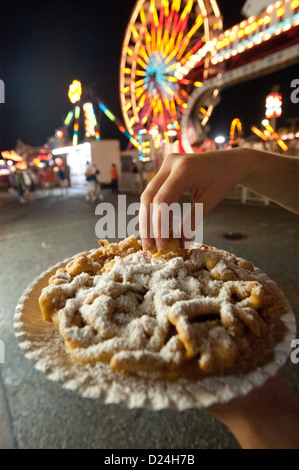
[(162, 35)]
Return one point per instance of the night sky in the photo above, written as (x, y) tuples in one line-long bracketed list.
[(45, 45)]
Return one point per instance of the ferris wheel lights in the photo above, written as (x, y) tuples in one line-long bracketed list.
[(134, 32), (158, 46), (139, 83), (294, 4), (172, 78), (130, 52), (280, 12)]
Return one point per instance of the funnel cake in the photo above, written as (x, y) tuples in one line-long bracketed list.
[(173, 314)]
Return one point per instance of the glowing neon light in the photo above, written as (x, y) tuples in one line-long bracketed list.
[(252, 32), (275, 136), (75, 91), (69, 118), (236, 124), (75, 139), (121, 128), (77, 112), (273, 105), (11, 155), (90, 120), (107, 112), (259, 133)]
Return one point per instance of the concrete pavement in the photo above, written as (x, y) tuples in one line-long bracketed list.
[(36, 413)]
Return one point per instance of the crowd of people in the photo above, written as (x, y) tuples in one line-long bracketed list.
[(25, 182)]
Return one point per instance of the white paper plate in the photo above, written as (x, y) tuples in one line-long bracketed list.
[(44, 347)]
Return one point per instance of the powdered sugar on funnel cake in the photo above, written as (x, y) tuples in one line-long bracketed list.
[(175, 328)]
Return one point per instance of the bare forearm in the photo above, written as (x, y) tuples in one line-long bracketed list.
[(267, 418), (210, 176)]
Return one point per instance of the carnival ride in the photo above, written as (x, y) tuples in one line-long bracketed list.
[(89, 107), (160, 39), (176, 59)]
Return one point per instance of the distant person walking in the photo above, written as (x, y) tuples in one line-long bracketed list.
[(63, 181), (49, 179), (19, 185), (93, 185), (114, 178)]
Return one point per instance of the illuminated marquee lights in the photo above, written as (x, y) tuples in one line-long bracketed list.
[(255, 30), (273, 105), (276, 19), (11, 155)]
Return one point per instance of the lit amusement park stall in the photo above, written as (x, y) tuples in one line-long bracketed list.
[(176, 59)]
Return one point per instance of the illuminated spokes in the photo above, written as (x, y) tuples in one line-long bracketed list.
[(161, 37), (194, 122)]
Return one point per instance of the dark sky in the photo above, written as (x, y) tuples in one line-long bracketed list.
[(47, 44)]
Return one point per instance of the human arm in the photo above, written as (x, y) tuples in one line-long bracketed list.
[(266, 418), (209, 177)]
